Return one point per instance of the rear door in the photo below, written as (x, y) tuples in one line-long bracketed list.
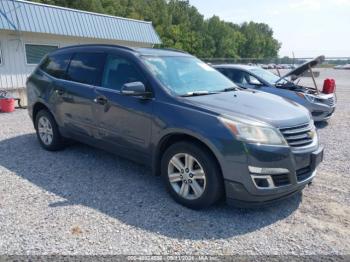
[(77, 92), (124, 122)]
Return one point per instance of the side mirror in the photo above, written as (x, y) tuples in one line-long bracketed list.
[(134, 89)]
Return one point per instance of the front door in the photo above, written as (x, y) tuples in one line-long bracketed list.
[(124, 122)]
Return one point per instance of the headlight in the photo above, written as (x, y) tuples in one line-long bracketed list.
[(254, 132), (309, 98)]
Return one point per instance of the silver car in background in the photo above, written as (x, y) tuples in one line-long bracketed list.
[(320, 105)]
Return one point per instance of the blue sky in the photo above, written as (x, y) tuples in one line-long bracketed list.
[(307, 27)]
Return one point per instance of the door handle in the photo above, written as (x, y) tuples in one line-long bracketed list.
[(100, 100)]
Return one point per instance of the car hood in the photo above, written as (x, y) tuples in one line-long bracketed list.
[(268, 108), (299, 71)]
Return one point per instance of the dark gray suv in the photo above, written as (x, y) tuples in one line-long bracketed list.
[(206, 137)]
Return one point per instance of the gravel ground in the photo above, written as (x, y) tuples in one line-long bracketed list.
[(85, 201)]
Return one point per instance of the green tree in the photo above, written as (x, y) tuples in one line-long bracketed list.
[(259, 41), (180, 25), (227, 38)]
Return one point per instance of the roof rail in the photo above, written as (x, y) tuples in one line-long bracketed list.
[(173, 49), (97, 45)]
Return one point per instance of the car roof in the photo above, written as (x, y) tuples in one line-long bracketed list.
[(140, 51), (161, 52), (235, 66)]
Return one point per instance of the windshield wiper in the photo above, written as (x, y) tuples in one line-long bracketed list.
[(229, 89), (285, 85), (198, 93)]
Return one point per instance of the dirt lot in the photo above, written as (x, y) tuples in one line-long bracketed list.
[(86, 201)]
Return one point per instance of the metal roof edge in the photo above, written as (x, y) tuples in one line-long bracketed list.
[(82, 37), (82, 11)]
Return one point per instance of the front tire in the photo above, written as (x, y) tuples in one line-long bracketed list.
[(192, 175), (47, 131)]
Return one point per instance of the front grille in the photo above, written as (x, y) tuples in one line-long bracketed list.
[(303, 173), (280, 180), (298, 136), (317, 113)]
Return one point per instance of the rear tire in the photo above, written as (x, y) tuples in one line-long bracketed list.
[(191, 175), (47, 131)]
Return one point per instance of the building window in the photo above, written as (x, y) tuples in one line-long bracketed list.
[(34, 53)]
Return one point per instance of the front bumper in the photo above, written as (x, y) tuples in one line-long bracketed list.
[(322, 115), (323, 108), (245, 191)]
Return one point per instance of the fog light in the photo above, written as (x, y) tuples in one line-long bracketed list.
[(267, 170), (263, 182)]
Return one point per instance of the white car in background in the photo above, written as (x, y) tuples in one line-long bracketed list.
[(346, 67)]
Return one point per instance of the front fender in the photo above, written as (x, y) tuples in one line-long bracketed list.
[(165, 134)]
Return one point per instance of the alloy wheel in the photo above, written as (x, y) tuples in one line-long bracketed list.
[(45, 130), (186, 176)]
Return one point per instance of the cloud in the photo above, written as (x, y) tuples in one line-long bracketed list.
[(342, 2), (275, 12), (315, 5), (307, 5)]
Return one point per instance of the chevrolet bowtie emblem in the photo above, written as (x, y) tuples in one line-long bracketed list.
[(311, 134)]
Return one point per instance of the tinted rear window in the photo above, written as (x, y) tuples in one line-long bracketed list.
[(56, 65), (86, 68)]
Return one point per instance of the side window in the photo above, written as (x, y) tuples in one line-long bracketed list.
[(86, 68), (56, 65), (236, 76), (119, 71), (252, 79), (222, 71)]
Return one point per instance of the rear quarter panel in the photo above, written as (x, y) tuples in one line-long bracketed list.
[(39, 88)]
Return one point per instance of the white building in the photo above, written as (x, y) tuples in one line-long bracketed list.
[(29, 30)]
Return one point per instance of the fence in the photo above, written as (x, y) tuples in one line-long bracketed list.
[(331, 61)]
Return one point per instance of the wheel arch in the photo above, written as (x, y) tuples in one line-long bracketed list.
[(179, 136), (38, 106)]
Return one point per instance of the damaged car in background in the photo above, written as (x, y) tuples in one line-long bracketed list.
[(321, 104)]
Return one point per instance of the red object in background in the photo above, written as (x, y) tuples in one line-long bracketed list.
[(7, 105), (328, 86), (334, 85)]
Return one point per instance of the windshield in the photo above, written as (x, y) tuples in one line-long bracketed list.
[(266, 75), (185, 75)]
